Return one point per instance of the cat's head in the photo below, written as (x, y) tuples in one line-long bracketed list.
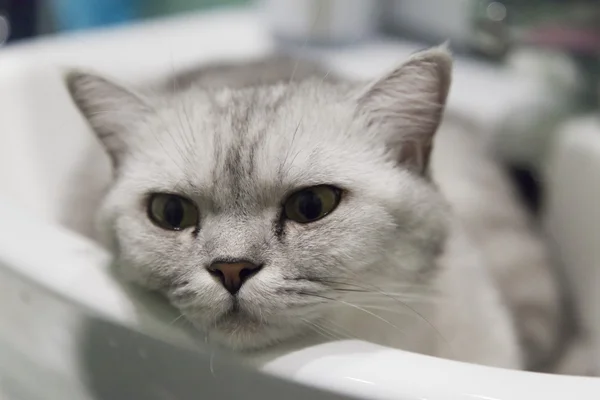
[(256, 211)]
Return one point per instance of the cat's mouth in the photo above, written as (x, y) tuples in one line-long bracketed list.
[(243, 326), (237, 323), (237, 314), (235, 317), (240, 330)]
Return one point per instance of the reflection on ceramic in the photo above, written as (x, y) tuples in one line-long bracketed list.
[(374, 372)]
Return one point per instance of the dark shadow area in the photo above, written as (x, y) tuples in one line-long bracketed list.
[(123, 364), (528, 186)]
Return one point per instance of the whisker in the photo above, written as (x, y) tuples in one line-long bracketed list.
[(176, 319), (305, 43), (211, 364), (294, 70), (417, 313), (184, 132), (375, 289), (319, 329), (287, 154), (374, 315), (344, 331), (379, 300), (376, 307), (409, 288)]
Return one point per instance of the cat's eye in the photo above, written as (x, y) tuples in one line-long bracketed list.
[(172, 212), (312, 204)]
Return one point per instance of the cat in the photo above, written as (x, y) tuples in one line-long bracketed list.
[(274, 203)]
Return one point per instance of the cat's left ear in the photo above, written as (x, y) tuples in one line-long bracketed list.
[(407, 104), (111, 110)]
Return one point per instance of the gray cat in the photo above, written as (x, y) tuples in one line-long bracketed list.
[(274, 204)]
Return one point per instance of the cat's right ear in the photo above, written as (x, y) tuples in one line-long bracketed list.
[(110, 109), (406, 105)]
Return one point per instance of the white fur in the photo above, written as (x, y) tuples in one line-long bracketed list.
[(237, 152)]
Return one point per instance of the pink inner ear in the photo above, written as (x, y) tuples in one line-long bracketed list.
[(414, 154)]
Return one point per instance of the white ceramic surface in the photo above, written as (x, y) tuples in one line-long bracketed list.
[(323, 21), (375, 372), (573, 214), (442, 19), (40, 138)]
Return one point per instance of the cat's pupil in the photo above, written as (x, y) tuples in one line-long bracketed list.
[(173, 212), (310, 205)]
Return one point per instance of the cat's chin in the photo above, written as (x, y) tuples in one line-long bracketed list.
[(243, 332)]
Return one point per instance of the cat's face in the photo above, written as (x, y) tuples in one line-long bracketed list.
[(256, 211)]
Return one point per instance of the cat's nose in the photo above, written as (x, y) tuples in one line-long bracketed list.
[(233, 274)]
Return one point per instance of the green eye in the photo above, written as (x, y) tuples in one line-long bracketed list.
[(312, 204), (172, 212)]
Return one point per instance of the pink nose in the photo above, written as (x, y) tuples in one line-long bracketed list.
[(233, 275)]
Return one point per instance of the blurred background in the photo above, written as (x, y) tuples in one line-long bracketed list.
[(527, 75), (563, 34), (484, 28), (488, 27)]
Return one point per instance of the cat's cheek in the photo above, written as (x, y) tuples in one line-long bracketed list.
[(154, 267), (126, 271)]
